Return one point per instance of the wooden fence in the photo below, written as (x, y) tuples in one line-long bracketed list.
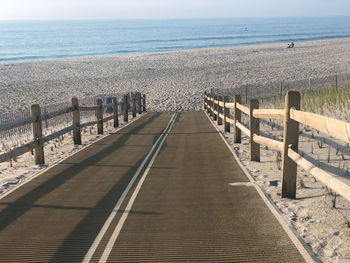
[(136, 101), (219, 109)]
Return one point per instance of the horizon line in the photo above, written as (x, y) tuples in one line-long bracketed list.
[(171, 18)]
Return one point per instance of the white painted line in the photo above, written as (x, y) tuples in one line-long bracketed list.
[(121, 222), (70, 155), (304, 251), (114, 212)]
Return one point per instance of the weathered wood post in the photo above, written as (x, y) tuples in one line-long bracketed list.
[(76, 122), (237, 118), (133, 95), (99, 115), (211, 103), (290, 139), (115, 112), (144, 102), (254, 129), (215, 109), (126, 111), (219, 110), (226, 115), (139, 102), (37, 134)]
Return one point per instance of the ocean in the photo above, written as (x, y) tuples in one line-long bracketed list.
[(45, 40)]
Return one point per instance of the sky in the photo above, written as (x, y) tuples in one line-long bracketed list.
[(160, 9)]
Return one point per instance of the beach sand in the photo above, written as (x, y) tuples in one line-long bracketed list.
[(172, 80)]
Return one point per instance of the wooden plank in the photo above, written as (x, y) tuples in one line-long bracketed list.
[(230, 105), (90, 108), (18, 151), (243, 109), (108, 118), (58, 133), (237, 119), (269, 114), (244, 129), (57, 113), (37, 134), (221, 103), (17, 123), (254, 125), (99, 115), (86, 124), (330, 181), (76, 122), (290, 138), (332, 127), (229, 120), (277, 145)]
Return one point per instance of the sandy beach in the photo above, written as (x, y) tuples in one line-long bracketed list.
[(177, 81), (172, 80)]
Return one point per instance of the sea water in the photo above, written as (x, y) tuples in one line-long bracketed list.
[(43, 40)]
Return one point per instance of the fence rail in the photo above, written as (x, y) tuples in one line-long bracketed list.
[(292, 117), (135, 100)]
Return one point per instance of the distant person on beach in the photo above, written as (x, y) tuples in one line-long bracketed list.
[(291, 45)]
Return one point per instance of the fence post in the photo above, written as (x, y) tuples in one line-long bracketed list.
[(209, 103), (144, 102), (215, 108), (219, 110), (99, 115), (126, 111), (76, 122), (139, 102), (133, 95), (205, 100), (290, 139), (254, 129), (37, 134), (226, 115), (115, 112), (237, 118)]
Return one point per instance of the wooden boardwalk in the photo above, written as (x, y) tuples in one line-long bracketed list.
[(180, 208)]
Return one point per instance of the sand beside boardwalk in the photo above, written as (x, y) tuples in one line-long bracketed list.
[(172, 80)]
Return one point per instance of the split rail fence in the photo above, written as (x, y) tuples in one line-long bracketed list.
[(219, 108), (135, 101)]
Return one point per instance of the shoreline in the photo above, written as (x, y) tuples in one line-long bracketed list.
[(169, 51)]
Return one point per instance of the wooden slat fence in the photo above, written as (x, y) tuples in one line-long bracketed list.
[(137, 102), (292, 116)]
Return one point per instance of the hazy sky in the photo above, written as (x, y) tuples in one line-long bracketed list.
[(119, 9)]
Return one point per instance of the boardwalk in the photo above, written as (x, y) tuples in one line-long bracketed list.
[(181, 206)]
